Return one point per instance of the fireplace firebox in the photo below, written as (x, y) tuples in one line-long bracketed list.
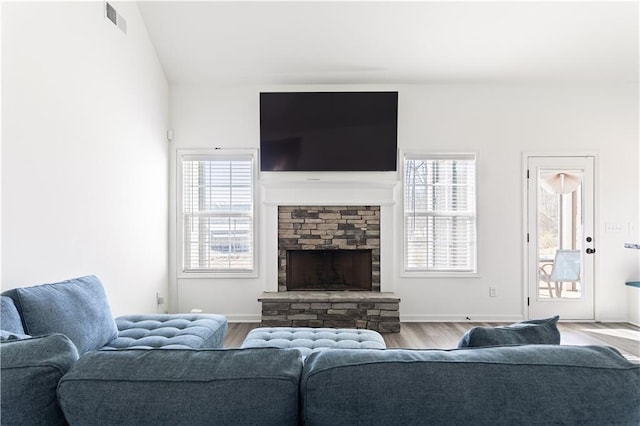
[(333, 229), (329, 270)]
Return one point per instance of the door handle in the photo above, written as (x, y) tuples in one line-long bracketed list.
[(590, 250)]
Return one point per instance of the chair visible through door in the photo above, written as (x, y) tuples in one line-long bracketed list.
[(565, 269)]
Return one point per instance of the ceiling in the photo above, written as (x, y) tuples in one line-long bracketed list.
[(357, 42)]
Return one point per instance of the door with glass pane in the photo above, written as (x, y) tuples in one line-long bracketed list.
[(561, 243)]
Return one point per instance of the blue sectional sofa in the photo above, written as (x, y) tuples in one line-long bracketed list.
[(46, 328), (48, 380), (79, 309)]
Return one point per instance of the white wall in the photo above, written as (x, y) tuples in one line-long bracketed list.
[(499, 123), (634, 293), (1, 151), (84, 151)]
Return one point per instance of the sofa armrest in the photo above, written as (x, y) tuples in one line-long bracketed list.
[(31, 370)]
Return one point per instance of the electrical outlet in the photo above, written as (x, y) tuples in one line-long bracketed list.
[(492, 292), (614, 227)]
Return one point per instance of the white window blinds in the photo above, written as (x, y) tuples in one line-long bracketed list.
[(218, 213), (439, 213)]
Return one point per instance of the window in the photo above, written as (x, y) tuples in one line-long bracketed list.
[(439, 213), (217, 212)]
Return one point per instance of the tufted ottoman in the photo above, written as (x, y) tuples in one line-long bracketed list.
[(309, 339), (169, 331)]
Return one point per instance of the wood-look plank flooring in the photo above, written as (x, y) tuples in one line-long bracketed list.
[(445, 335)]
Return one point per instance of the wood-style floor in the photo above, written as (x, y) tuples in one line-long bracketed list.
[(445, 335)]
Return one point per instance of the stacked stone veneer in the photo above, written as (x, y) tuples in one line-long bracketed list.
[(327, 228), (338, 309), (330, 228)]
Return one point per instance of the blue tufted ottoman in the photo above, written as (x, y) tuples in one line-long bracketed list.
[(169, 331), (309, 339)]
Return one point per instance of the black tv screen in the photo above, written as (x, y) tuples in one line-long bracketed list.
[(328, 131)]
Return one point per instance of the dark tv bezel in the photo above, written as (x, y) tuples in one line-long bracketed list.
[(393, 169)]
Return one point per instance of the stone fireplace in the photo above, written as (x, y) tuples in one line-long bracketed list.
[(330, 212), (329, 270), (333, 248)]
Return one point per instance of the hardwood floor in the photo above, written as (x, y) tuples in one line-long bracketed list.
[(237, 332), (445, 335)]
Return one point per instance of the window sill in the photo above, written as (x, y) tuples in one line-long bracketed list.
[(438, 274), (207, 275)]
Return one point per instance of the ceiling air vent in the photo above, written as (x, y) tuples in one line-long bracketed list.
[(113, 15)]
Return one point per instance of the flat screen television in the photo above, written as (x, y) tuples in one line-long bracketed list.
[(328, 131)]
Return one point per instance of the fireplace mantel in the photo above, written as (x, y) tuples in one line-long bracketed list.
[(328, 192)]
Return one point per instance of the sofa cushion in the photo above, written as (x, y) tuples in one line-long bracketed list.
[(531, 384), (537, 331), (170, 331), (186, 387), (308, 339), (31, 370), (9, 317), (77, 308)]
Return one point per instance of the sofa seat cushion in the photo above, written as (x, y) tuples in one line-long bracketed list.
[(543, 331), (169, 331), (511, 385), (309, 339), (77, 308), (31, 370), (183, 387)]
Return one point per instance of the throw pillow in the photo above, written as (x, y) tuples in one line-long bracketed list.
[(77, 308), (542, 331)]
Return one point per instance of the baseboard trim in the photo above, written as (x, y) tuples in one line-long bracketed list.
[(244, 318), (253, 318), (240, 318), (461, 318)]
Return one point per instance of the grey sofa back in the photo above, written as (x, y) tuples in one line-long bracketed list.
[(534, 384), (183, 387)]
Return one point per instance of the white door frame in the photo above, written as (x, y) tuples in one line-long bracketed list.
[(525, 222)]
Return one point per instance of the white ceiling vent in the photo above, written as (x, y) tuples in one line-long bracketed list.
[(111, 14)]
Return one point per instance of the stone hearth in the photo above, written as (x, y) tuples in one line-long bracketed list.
[(337, 309)]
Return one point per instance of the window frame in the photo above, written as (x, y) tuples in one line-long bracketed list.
[(214, 154), (434, 273)]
